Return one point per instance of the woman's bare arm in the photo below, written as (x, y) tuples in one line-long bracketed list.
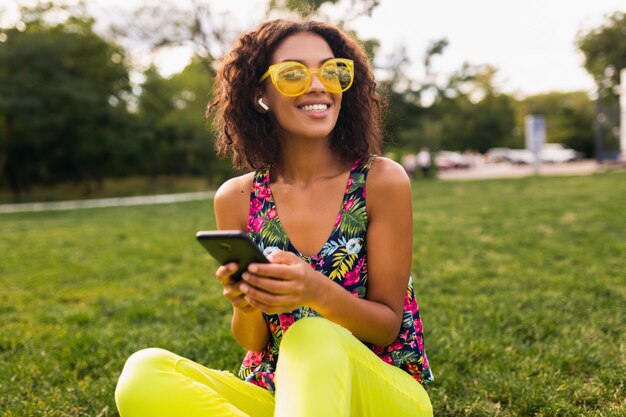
[(231, 213)]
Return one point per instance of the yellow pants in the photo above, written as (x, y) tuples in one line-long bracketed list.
[(322, 371)]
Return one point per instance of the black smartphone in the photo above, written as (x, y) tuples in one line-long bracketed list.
[(231, 246)]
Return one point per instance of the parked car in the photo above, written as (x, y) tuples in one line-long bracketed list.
[(451, 159), (521, 156), (557, 152), (495, 155), (514, 156)]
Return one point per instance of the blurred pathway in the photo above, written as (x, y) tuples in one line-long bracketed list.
[(106, 202), (508, 170)]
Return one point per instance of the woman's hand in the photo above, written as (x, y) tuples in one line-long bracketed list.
[(232, 289), (248, 324), (283, 285)]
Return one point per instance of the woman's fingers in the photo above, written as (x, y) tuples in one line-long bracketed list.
[(283, 257), (232, 290), (270, 309), (270, 285), (240, 301), (264, 300), (225, 272), (283, 285), (287, 272)]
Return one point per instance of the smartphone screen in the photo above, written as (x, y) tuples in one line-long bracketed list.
[(231, 246)]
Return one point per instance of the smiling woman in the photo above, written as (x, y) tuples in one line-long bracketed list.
[(331, 323), (246, 74)]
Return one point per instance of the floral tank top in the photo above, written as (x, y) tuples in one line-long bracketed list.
[(342, 259)]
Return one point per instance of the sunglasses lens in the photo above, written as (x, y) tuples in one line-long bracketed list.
[(336, 76), (291, 79)]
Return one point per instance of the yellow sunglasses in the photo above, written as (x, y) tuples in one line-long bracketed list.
[(292, 78)]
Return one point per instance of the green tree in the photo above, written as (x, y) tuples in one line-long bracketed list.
[(175, 136), (409, 123), (605, 55), (62, 101), (468, 112), (169, 24), (314, 8), (605, 51), (569, 118), (476, 126), (462, 111)]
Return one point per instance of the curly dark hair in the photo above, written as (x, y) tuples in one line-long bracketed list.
[(249, 137)]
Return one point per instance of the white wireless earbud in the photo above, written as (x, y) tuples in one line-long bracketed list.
[(263, 105)]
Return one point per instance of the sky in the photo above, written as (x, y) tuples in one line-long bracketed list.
[(530, 42)]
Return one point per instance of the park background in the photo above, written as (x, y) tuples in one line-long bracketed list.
[(522, 281)]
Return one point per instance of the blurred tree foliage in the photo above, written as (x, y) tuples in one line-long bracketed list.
[(175, 137), (464, 111), (353, 9), (604, 48), (168, 24), (62, 101), (68, 111), (569, 118)]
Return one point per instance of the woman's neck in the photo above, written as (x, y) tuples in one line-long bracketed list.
[(305, 161)]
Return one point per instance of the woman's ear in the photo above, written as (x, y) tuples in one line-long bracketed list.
[(259, 104), (262, 104)]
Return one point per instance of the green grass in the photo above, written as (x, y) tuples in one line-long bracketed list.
[(522, 285)]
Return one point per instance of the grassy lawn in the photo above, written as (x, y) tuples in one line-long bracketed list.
[(522, 285)]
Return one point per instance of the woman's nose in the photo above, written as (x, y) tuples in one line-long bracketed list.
[(316, 85)]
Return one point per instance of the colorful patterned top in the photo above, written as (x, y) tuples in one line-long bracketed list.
[(343, 259)]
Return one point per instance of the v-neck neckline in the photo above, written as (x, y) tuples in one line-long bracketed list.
[(335, 227)]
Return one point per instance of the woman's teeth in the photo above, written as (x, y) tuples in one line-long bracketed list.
[(315, 107)]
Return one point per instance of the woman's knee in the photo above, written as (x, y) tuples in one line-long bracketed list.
[(149, 359), (315, 337), (312, 329), (139, 372)]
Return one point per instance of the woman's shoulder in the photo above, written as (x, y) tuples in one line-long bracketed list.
[(232, 199), (235, 189), (388, 187), (386, 172)]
